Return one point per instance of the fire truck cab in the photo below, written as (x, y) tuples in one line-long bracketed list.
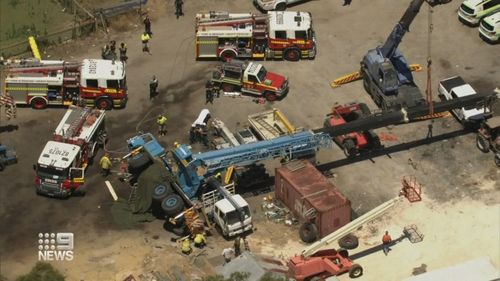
[(99, 83), (276, 35), (60, 170), (251, 79)]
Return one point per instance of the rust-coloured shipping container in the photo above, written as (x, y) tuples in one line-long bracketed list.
[(312, 197)]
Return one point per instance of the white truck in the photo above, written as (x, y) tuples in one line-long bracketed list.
[(456, 87), (60, 170), (275, 5), (489, 28)]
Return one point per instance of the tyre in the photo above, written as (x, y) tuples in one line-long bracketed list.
[(364, 109), (281, 7), (139, 162), (308, 232), (355, 271), (172, 205), (292, 55), (270, 96), (228, 87), (349, 242), (104, 103), (38, 103), (227, 55), (482, 143), (349, 148), (161, 191)]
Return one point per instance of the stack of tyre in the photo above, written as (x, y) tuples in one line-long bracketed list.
[(166, 205)]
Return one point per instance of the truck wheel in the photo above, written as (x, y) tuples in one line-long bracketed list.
[(364, 109), (270, 96), (355, 271), (138, 162), (292, 55), (308, 232), (228, 87), (281, 7), (349, 148), (172, 205), (38, 103), (349, 242), (482, 143), (227, 55), (161, 191), (104, 103)]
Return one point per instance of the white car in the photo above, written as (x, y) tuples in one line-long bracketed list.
[(489, 28), (275, 5), (455, 87), (472, 11)]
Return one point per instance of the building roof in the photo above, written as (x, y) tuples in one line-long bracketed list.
[(102, 69), (58, 154), (289, 20)]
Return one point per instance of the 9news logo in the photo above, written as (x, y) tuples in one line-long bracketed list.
[(55, 246)]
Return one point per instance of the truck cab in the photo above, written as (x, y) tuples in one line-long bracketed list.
[(57, 171), (456, 87), (229, 220), (472, 11), (489, 28)]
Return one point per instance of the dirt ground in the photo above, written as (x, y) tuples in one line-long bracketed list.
[(459, 215)]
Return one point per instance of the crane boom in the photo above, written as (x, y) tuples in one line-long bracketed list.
[(391, 44)]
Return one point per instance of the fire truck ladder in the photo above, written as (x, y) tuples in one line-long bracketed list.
[(224, 18), (76, 118)]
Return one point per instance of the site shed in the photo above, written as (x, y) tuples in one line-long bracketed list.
[(311, 197)]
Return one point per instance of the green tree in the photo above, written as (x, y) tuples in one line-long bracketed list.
[(42, 271)]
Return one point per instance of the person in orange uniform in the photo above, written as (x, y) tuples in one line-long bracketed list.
[(386, 241)]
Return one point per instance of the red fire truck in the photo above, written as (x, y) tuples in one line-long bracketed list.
[(280, 35), (60, 170), (92, 82), (249, 78)]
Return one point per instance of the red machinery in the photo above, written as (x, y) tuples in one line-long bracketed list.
[(355, 142), (323, 264)]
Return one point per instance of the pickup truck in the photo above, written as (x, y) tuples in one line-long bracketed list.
[(251, 79), (455, 87), (275, 5)]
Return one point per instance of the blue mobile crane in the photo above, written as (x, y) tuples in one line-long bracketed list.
[(386, 74)]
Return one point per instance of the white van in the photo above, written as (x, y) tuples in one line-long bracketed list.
[(472, 11), (489, 28)]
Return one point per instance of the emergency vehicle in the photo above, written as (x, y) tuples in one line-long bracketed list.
[(251, 79), (275, 35), (60, 170), (92, 82)]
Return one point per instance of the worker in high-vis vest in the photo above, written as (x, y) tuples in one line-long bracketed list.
[(105, 164), (145, 37), (199, 241), (186, 247), (161, 121)]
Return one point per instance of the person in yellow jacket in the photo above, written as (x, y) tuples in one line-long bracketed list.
[(199, 241), (186, 247), (105, 164), (145, 37), (161, 121)]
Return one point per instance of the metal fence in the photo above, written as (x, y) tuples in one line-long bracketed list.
[(85, 22)]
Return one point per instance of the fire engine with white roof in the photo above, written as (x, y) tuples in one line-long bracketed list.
[(92, 82), (275, 35), (60, 170), (251, 79)]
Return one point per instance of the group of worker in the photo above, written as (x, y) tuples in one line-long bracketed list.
[(108, 51), (199, 133), (199, 242)]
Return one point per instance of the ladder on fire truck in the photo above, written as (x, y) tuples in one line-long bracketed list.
[(76, 120), (225, 18), (36, 65)]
